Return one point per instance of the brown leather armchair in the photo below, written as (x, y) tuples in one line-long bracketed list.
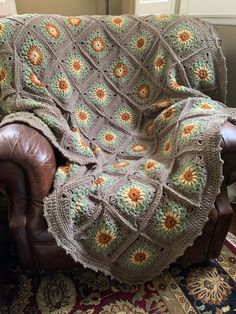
[(27, 167)]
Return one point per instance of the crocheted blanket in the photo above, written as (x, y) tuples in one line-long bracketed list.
[(132, 103)]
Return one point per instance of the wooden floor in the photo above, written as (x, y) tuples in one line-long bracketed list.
[(233, 223)]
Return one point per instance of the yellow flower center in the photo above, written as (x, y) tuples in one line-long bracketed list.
[(139, 148), (203, 74), (100, 93), (185, 36), (52, 30), (175, 85), (83, 115), (98, 44), (167, 147), (63, 85), (205, 106), (120, 70), (170, 222), (3, 75), (151, 164), (35, 80), (109, 137), (117, 21), (163, 17), (104, 238), (121, 164), (65, 169), (168, 113), (134, 194), (159, 62), (99, 181), (189, 175), (1, 28), (140, 257), (35, 55), (76, 65), (188, 129), (125, 116), (140, 43), (74, 21), (144, 91)]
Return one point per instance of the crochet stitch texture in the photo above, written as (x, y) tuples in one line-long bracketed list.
[(133, 104)]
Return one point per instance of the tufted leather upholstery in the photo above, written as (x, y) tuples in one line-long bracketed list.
[(27, 168)]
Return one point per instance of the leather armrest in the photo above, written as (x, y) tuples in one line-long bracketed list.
[(29, 150), (228, 153)]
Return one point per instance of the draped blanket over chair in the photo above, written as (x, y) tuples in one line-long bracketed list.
[(133, 105)]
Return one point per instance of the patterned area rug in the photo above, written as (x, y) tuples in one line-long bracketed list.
[(203, 288)]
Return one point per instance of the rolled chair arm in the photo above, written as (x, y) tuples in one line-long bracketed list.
[(229, 152), (27, 169), (31, 151)]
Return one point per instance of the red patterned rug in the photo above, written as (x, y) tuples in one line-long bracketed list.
[(207, 288)]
